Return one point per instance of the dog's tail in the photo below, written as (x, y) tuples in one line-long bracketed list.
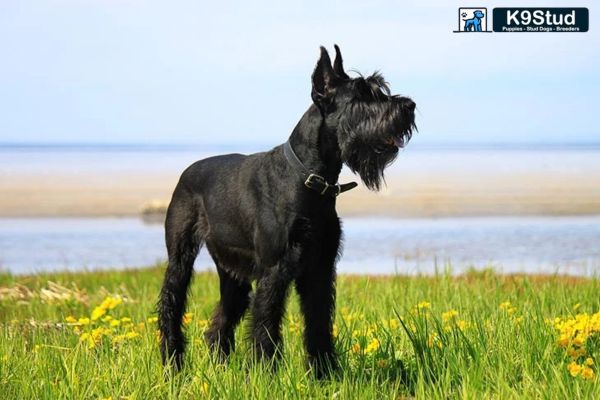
[(185, 231)]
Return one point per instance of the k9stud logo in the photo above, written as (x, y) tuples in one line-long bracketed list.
[(524, 19)]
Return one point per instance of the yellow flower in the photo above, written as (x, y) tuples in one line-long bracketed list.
[(111, 302), (356, 348), (98, 312), (587, 373), (574, 368), (108, 318), (187, 318), (152, 320), (372, 346), (115, 322), (393, 323), (70, 319), (589, 361), (125, 319), (204, 388), (462, 324), (132, 335), (83, 321), (335, 331), (423, 304), (448, 315)]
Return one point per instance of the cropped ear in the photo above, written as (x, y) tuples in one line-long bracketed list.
[(323, 81), (338, 64)]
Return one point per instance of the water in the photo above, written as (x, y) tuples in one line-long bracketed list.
[(372, 245), (566, 245)]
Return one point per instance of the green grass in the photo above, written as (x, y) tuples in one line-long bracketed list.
[(392, 340)]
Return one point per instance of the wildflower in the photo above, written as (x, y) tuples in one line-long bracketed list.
[(587, 373), (70, 319), (132, 335), (393, 323), (125, 319), (574, 368), (356, 348), (588, 361), (111, 302), (204, 388), (203, 323), (462, 324), (433, 340), (83, 321), (449, 315), (98, 312), (187, 318), (152, 320), (107, 319), (335, 331), (115, 323), (423, 304), (518, 320), (372, 346)]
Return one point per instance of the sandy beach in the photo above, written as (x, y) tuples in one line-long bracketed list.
[(411, 195)]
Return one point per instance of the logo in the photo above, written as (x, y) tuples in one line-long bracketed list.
[(524, 19), (541, 19), (472, 19)]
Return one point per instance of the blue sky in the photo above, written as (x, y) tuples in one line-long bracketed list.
[(201, 72)]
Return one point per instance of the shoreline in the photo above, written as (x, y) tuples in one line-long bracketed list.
[(414, 196)]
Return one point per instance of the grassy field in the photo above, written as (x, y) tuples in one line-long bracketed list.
[(481, 335)]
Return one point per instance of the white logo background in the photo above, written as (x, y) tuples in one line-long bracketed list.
[(465, 13)]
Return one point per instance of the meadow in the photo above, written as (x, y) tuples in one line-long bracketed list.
[(92, 335)]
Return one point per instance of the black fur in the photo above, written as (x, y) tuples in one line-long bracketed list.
[(260, 223)]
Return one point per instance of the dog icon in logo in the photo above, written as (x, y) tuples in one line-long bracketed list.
[(473, 24)]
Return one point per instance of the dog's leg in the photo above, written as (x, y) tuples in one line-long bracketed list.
[(316, 288), (230, 310), (184, 235), (268, 305)]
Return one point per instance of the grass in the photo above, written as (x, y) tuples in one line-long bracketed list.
[(480, 335)]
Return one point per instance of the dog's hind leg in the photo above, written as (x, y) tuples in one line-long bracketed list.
[(230, 310), (185, 230), (268, 305)]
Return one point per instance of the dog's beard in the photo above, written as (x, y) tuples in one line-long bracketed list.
[(368, 161), (370, 135)]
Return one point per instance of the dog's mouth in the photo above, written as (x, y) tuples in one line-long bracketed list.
[(396, 141)]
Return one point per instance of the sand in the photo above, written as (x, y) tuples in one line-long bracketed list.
[(415, 195)]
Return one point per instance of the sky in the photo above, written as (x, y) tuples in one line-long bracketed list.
[(132, 71)]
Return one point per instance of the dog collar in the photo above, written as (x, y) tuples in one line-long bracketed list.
[(311, 180)]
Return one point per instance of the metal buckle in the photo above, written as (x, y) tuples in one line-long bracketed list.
[(313, 178)]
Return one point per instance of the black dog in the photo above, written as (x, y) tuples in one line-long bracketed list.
[(270, 217)]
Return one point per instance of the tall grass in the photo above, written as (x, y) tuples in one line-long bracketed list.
[(474, 336)]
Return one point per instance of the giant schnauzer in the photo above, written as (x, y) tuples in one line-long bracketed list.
[(270, 217)]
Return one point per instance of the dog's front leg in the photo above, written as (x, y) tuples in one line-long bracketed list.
[(316, 288)]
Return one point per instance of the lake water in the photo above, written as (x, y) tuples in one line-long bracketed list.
[(566, 245)]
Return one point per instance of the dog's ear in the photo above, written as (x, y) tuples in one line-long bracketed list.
[(338, 64), (323, 81)]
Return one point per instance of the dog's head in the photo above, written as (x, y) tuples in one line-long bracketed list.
[(478, 14), (370, 123)]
